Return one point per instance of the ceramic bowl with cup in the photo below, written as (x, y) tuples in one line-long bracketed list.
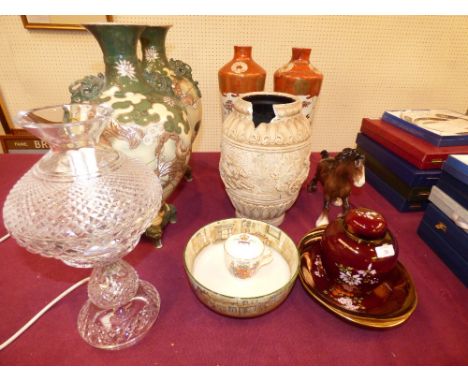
[(207, 265)]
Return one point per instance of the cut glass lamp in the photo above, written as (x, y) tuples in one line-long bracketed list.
[(87, 205)]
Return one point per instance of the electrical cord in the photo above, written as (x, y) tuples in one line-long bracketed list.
[(45, 309), (3, 238)]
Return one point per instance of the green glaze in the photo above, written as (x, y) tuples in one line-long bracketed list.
[(155, 60), (121, 105), (181, 69), (149, 122), (159, 82), (153, 45), (170, 77), (123, 70), (118, 44), (87, 88)]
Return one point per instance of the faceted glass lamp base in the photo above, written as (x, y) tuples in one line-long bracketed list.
[(114, 329)]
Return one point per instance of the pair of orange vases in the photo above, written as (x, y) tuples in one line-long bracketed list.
[(243, 75)]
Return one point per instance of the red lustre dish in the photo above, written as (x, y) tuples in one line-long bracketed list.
[(358, 252), (388, 304)]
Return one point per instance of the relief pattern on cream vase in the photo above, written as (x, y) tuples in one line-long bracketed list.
[(233, 175), (254, 173), (290, 165), (227, 102), (272, 159), (273, 134)]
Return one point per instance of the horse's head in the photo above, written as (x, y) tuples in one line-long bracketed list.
[(354, 162)]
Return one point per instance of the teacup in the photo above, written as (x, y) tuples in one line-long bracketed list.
[(245, 254)]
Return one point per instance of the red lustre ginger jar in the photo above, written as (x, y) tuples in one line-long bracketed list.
[(239, 76), (358, 250), (300, 78)]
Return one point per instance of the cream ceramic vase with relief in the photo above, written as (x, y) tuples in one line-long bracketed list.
[(265, 149)]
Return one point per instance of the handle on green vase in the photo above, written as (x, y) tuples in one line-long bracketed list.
[(159, 82), (181, 69), (87, 89)]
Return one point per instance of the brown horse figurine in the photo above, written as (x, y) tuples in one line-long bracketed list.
[(337, 175)]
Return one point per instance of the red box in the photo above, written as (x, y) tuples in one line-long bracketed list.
[(416, 151)]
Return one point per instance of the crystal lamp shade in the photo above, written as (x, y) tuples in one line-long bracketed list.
[(87, 205)]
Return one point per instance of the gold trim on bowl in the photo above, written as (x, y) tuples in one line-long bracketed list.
[(241, 307)]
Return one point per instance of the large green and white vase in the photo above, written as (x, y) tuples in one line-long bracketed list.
[(150, 125), (172, 76)]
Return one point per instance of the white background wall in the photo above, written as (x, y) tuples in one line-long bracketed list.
[(370, 63)]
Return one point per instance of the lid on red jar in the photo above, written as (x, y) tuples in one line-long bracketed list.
[(365, 223)]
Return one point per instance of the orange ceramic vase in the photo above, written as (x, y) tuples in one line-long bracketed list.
[(300, 78), (240, 75)]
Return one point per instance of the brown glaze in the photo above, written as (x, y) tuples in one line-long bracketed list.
[(298, 76), (242, 74), (337, 176), (354, 260)]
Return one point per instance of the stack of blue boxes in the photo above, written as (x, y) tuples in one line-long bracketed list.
[(444, 226)]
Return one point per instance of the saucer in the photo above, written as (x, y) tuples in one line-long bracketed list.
[(390, 304)]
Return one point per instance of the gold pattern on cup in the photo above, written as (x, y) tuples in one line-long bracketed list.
[(245, 268)]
